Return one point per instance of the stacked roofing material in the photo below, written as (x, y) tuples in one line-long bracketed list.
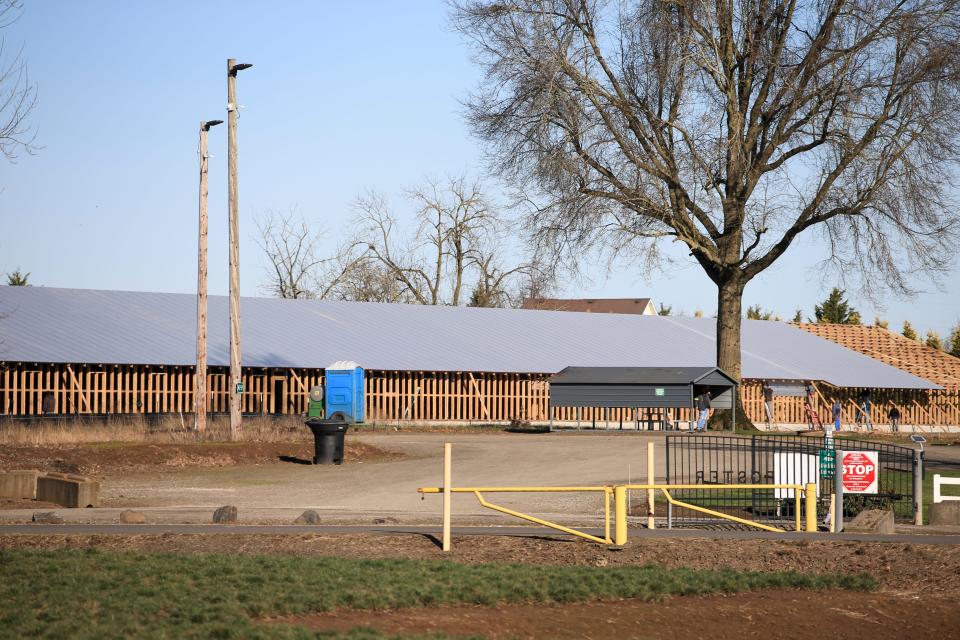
[(894, 349), (41, 324)]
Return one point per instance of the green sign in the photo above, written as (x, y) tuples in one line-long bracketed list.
[(658, 391), (828, 463), (239, 387)]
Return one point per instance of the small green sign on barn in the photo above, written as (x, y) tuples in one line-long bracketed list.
[(658, 391)]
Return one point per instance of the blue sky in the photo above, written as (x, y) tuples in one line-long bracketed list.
[(343, 97)]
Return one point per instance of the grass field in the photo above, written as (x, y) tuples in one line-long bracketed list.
[(92, 594)]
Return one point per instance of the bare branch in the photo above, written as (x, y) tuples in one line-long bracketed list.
[(18, 95)]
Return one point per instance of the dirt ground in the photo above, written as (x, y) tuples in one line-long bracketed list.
[(777, 614), (118, 458)]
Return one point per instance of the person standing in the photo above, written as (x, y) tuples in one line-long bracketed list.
[(703, 405), (810, 391), (837, 409), (894, 415), (768, 402), (864, 415)]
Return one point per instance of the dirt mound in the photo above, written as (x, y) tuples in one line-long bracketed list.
[(116, 458)]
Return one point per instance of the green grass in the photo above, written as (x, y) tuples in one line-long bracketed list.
[(92, 594)]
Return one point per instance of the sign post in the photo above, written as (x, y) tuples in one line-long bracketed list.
[(860, 471)]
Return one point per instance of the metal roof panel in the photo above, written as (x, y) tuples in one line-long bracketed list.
[(45, 324)]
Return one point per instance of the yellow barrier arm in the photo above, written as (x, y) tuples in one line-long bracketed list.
[(547, 523), (725, 516)]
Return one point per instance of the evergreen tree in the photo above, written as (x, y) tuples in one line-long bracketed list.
[(756, 312), (934, 341), (880, 322), (953, 344), (665, 310), (836, 310), (798, 316), (908, 331), (18, 279)]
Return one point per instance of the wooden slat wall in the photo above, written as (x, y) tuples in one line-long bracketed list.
[(394, 395)]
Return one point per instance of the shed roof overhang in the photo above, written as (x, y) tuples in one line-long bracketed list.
[(656, 387)]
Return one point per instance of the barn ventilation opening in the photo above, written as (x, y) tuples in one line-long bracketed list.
[(279, 394)]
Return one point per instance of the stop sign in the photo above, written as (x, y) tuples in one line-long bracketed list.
[(859, 471)]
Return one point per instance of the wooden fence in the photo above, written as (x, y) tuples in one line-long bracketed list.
[(79, 389)]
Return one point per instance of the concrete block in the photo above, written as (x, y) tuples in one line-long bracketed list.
[(128, 516), (19, 484), (47, 517), (946, 512), (308, 517), (871, 521), (68, 490)]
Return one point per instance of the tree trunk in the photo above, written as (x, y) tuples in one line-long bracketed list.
[(729, 320)]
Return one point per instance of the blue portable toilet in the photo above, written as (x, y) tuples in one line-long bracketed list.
[(344, 389)]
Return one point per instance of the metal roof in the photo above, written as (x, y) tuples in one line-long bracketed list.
[(43, 324), (635, 375), (591, 305)]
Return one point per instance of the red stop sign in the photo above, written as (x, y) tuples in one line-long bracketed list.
[(860, 471)]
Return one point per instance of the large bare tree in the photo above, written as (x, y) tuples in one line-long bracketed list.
[(18, 95), (731, 126)]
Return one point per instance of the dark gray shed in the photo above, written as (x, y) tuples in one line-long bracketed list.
[(641, 387)]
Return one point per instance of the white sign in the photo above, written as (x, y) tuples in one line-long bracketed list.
[(789, 390), (860, 471), (795, 468)]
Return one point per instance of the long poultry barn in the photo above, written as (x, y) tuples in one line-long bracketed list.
[(91, 352)]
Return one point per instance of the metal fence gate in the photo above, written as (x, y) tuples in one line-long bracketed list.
[(769, 459)]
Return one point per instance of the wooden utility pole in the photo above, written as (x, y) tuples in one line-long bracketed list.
[(236, 379), (200, 375)]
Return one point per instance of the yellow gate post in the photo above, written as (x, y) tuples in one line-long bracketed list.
[(620, 515), (447, 482), (651, 480), (811, 496)]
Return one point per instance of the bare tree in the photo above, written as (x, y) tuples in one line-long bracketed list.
[(291, 249), (729, 126), (459, 239), (18, 95)]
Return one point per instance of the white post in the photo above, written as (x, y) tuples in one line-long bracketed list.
[(446, 494), (918, 488), (836, 523)]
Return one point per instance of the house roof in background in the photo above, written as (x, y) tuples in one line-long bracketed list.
[(42, 324), (589, 305), (894, 349)]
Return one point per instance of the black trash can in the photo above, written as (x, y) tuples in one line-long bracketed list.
[(328, 435)]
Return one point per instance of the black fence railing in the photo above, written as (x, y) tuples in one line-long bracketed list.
[(778, 459)]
